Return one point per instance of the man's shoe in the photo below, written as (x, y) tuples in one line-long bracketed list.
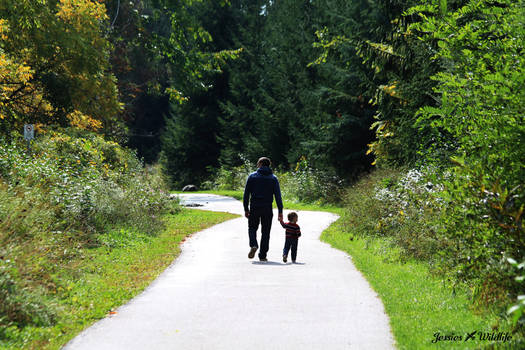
[(251, 254), (263, 259), (285, 259)]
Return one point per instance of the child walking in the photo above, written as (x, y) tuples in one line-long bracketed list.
[(293, 232)]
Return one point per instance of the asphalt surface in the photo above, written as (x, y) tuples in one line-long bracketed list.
[(214, 297)]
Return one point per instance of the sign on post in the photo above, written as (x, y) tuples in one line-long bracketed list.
[(29, 132)]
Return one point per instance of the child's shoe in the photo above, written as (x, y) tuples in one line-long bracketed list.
[(285, 259), (293, 261)]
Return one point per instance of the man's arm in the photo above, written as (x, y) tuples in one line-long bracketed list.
[(278, 199), (246, 197)]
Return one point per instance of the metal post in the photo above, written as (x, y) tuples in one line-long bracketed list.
[(29, 134)]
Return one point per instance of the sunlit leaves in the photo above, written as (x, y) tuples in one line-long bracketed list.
[(55, 62), (15, 76)]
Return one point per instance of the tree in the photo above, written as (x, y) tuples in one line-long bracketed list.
[(68, 82), (196, 86), (481, 90)]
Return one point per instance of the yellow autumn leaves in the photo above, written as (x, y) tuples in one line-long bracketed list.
[(15, 84), (54, 65)]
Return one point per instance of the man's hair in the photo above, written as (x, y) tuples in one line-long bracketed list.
[(292, 215), (264, 161)]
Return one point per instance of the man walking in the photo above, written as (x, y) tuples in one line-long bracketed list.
[(260, 189)]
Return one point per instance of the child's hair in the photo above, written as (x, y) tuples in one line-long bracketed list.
[(292, 215)]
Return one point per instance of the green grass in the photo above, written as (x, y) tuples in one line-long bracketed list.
[(417, 303), (103, 278)]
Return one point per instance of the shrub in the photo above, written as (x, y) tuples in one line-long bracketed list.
[(308, 185), (18, 307), (232, 178), (70, 193), (88, 183), (418, 211)]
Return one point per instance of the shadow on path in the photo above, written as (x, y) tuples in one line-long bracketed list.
[(273, 263)]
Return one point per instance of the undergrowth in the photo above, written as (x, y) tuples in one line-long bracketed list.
[(69, 194), (414, 211), (301, 185)]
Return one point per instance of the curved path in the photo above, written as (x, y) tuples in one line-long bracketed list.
[(213, 297)]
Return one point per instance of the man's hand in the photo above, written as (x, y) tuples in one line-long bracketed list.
[(280, 217), (247, 214)]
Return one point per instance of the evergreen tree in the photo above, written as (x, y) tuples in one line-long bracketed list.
[(238, 127)]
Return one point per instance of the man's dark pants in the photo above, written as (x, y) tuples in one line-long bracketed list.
[(264, 217), (291, 242)]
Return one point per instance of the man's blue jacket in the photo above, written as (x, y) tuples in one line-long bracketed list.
[(260, 188)]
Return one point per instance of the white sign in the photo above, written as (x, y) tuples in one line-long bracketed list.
[(29, 132)]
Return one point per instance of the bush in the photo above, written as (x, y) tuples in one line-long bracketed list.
[(69, 194), (88, 183), (308, 185), (232, 178), (18, 307), (418, 211), (303, 184)]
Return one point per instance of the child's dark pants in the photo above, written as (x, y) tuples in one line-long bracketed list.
[(291, 242), (263, 216)]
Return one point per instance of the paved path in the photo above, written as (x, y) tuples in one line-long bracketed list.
[(213, 297)]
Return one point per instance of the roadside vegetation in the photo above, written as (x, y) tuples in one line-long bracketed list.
[(394, 227), (83, 228)]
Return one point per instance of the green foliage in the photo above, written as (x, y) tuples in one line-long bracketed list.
[(448, 83), (85, 181), (370, 42), (73, 192), (402, 207), (169, 66), (231, 178), (184, 159), (481, 89), (517, 311), (18, 306), (415, 216), (294, 109), (417, 213), (62, 47), (308, 185)]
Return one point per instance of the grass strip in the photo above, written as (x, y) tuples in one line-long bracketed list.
[(94, 285), (418, 304)]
